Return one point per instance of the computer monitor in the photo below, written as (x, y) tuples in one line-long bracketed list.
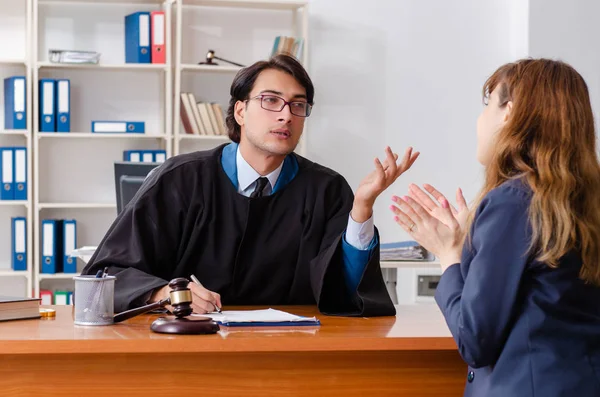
[(128, 179)]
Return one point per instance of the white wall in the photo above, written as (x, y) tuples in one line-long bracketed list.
[(569, 31), (403, 73)]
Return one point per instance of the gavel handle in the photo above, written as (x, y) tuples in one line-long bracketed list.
[(225, 60), (126, 315)]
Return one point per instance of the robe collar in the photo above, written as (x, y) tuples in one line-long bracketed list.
[(289, 170)]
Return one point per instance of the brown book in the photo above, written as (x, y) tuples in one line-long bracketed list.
[(289, 43), (206, 119), (213, 118), (199, 122), (220, 118), (187, 117), (14, 308)]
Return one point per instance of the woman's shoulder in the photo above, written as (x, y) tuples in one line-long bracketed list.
[(509, 199), (517, 190)]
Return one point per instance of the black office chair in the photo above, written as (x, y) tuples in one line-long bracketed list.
[(128, 179)]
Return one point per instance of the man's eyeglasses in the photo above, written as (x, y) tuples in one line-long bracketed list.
[(273, 103)]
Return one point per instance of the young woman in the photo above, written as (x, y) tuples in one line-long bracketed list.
[(520, 288)]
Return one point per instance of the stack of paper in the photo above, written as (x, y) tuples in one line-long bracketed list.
[(403, 251), (254, 318)]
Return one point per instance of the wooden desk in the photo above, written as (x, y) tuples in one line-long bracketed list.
[(411, 354)]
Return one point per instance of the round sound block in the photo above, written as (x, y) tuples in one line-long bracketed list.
[(184, 325)]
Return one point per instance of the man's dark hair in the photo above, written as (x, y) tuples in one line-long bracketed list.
[(244, 82)]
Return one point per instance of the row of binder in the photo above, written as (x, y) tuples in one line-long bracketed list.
[(55, 105), (145, 37), (54, 108), (13, 171), (59, 239), (56, 298), (15, 95), (145, 156)]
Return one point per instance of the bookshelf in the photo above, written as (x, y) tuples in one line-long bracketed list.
[(73, 172), (15, 39), (89, 135), (202, 25), (136, 67)]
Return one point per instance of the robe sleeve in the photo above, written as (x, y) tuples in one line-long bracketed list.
[(371, 298), (141, 245)]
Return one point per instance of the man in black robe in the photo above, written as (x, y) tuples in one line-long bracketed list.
[(256, 223)]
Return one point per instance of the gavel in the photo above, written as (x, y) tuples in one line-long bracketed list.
[(180, 298), (210, 55)]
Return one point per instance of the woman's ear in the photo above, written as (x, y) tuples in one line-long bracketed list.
[(239, 112), (508, 110)]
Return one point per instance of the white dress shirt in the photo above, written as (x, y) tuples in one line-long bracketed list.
[(358, 235)]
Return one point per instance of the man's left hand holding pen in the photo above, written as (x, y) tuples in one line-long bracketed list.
[(203, 300)]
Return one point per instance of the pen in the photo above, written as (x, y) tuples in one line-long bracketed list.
[(197, 282)]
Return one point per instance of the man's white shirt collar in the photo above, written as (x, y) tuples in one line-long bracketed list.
[(247, 175)]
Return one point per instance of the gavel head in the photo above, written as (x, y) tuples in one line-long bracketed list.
[(181, 297), (210, 56)]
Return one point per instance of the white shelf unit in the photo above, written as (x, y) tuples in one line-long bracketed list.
[(73, 172), (42, 206), (15, 40), (13, 62), (91, 135), (15, 273), (13, 132), (408, 264), (57, 276), (125, 66), (14, 203), (211, 27)]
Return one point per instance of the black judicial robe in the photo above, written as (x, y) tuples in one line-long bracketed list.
[(283, 249)]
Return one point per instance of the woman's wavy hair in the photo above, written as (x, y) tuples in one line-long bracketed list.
[(550, 142)]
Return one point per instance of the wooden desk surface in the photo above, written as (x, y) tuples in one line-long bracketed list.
[(415, 327), (411, 354)]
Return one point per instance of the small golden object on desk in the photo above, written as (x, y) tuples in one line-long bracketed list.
[(47, 312)]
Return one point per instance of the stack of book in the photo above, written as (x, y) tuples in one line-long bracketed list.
[(288, 45), (201, 118), (15, 308)]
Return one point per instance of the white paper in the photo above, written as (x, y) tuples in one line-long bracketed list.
[(83, 253), (250, 316)]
